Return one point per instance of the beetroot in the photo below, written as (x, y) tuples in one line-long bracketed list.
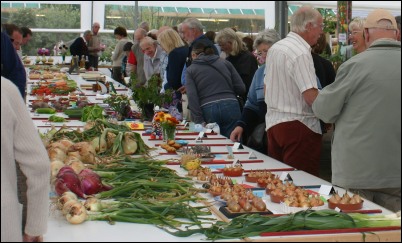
[(71, 181)]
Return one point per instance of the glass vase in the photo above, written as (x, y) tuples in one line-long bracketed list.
[(168, 133)]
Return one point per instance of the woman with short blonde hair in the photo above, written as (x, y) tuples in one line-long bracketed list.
[(169, 39), (177, 52)]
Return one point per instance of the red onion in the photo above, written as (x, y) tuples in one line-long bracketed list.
[(69, 181), (91, 182)]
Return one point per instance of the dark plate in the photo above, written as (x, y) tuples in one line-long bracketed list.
[(231, 214)]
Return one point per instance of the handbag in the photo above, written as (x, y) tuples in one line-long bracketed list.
[(239, 98)]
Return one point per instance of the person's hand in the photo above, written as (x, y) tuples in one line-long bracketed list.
[(30, 238), (235, 136), (182, 89)]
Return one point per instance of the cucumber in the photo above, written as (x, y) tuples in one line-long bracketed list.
[(45, 111), (74, 112)]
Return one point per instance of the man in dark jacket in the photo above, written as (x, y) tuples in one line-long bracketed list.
[(79, 46)]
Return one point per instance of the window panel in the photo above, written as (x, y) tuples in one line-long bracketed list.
[(248, 11), (235, 11)]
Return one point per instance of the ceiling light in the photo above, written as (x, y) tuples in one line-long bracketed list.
[(215, 20)]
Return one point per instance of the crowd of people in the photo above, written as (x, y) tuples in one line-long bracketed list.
[(293, 96)]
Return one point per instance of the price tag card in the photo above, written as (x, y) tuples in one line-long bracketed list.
[(252, 155), (230, 152), (326, 190), (236, 145), (236, 163), (199, 137), (285, 176)]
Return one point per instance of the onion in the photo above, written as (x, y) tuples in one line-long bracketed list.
[(75, 154), (68, 181), (77, 214), (77, 166), (66, 142), (55, 167), (86, 151), (56, 154), (67, 196), (93, 204), (91, 182), (129, 144), (58, 145), (67, 206), (99, 144), (71, 159)]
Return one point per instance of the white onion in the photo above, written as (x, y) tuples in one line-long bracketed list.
[(56, 154), (55, 166), (77, 214)]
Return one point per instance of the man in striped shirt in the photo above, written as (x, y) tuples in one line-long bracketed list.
[(294, 133)]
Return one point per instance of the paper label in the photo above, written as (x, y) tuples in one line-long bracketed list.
[(285, 176), (326, 190), (236, 145), (252, 155)]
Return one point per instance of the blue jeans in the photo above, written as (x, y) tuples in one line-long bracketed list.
[(225, 113)]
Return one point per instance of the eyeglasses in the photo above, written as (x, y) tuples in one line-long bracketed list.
[(354, 33), (260, 53)]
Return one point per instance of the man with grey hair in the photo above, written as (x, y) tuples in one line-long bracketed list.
[(291, 87), (192, 31), (364, 102), (152, 58), (139, 34), (80, 45), (94, 46)]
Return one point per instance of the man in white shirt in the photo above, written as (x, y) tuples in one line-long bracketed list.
[(294, 133)]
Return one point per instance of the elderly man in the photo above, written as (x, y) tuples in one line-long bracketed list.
[(152, 58), (80, 45), (294, 133), (94, 46), (139, 34), (364, 102)]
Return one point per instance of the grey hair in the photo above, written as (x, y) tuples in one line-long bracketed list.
[(193, 23), (303, 16), (148, 40), (357, 23), (267, 36), (88, 32), (142, 31), (229, 35)]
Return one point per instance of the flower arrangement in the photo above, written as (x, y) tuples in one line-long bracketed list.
[(120, 104), (168, 124), (43, 52)]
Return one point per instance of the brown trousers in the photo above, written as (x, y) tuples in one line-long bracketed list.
[(294, 144)]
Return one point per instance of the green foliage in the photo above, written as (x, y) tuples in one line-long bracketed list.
[(329, 19), (150, 94), (56, 16), (24, 17)]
